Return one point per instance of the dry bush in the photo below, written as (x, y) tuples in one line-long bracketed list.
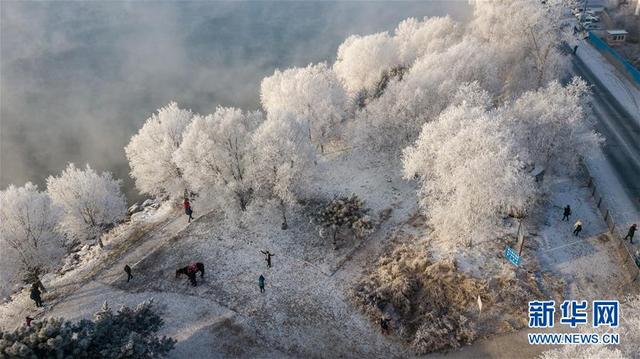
[(344, 212), (426, 302), (433, 306)]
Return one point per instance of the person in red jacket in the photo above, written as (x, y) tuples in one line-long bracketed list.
[(187, 209)]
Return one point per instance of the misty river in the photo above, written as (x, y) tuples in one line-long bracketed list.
[(79, 78)]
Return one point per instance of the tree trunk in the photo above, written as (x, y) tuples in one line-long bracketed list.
[(284, 225), (243, 202)]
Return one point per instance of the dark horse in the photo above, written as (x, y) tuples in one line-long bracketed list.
[(191, 271)]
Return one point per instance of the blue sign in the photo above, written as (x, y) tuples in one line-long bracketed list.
[(512, 255)]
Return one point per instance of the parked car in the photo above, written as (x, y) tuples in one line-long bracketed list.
[(591, 18), (579, 13), (591, 26)]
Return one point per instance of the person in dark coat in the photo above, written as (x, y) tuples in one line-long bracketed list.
[(267, 257), (261, 283), (577, 228), (384, 325), (127, 269), (192, 269), (187, 209), (35, 295), (567, 213), (28, 320), (632, 231)]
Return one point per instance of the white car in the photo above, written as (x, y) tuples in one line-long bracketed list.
[(586, 13), (591, 18)]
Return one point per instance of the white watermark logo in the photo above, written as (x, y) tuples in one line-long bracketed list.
[(574, 313)]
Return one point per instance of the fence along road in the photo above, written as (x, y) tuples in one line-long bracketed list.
[(622, 151)]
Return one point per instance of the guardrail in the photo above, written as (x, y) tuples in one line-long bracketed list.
[(628, 259)]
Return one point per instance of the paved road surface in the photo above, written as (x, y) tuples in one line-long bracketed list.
[(621, 132)]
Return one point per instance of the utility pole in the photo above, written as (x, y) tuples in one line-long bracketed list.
[(520, 236)]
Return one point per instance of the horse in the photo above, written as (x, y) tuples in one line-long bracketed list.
[(191, 271)]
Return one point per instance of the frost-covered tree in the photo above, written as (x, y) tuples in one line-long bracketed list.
[(128, 333), (314, 94), (282, 162), (416, 38), (362, 60), (150, 152), (214, 155), (91, 202), (552, 125), (29, 241), (469, 172), (394, 120), (528, 36)]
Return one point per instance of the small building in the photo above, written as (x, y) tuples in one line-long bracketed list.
[(616, 37)]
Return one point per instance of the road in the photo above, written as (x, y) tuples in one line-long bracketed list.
[(621, 133)]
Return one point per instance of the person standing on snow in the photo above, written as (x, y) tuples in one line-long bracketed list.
[(187, 209), (267, 257), (28, 320), (577, 228), (127, 269), (35, 295), (567, 213), (261, 283), (632, 231)]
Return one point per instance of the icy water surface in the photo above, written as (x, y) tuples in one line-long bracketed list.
[(78, 79)]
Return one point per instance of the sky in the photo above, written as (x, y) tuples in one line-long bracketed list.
[(77, 79)]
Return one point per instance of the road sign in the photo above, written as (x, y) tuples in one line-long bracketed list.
[(512, 255)]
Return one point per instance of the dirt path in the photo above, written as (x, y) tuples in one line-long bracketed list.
[(103, 270)]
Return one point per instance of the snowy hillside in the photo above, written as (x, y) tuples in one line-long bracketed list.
[(364, 211)]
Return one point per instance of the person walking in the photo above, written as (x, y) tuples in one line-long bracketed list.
[(127, 269), (632, 231), (267, 257), (187, 209), (577, 228), (35, 295), (261, 283), (566, 213)]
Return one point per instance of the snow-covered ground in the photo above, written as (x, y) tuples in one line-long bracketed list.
[(589, 264), (622, 207), (613, 179), (305, 310), (622, 88)]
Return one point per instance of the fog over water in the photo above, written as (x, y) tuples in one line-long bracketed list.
[(77, 79)]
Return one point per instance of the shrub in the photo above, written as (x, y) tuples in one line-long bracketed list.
[(128, 333)]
